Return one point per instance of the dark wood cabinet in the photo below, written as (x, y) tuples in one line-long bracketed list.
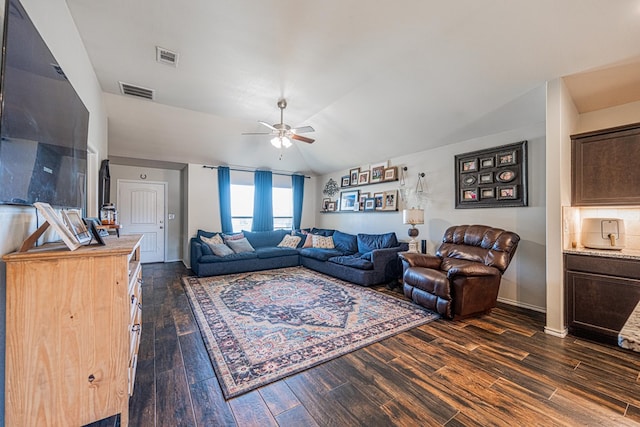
[(605, 168), (601, 293)]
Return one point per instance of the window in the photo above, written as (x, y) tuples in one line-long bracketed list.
[(282, 208), (241, 207), (242, 203)]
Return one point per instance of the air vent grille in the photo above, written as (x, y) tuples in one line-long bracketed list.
[(137, 91), (165, 56), (58, 70)]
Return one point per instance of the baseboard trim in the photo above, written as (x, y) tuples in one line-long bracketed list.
[(522, 305), (555, 332)]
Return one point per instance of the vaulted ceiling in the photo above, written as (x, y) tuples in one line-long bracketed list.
[(376, 79)]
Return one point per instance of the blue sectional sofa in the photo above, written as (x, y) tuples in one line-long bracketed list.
[(365, 259)]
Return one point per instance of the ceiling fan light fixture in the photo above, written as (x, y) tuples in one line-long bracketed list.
[(281, 141)]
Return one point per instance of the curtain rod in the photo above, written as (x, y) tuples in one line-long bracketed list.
[(253, 170)]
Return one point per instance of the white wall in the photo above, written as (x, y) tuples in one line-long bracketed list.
[(54, 22), (203, 203), (524, 281), (173, 178)]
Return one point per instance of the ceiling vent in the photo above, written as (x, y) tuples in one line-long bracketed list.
[(58, 70), (137, 91), (165, 56)]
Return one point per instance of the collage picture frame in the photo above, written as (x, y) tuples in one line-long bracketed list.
[(492, 178)]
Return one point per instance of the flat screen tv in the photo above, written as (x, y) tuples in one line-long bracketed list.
[(43, 122)]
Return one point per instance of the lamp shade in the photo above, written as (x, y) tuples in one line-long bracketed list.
[(413, 216)]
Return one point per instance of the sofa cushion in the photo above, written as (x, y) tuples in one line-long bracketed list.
[(352, 261), (347, 243), (320, 254), (233, 257), (289, 241), (240, 245), (261, 239), (275, 252), (221, 249), (323, 242), (322, 231), (369, 242), (368, 256), (201, 233)]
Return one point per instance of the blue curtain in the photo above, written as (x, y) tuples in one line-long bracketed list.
[(224, 190), (297, 187), (262, 202)]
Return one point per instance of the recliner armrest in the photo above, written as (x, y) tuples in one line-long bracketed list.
[(472, 269), (414, 259)]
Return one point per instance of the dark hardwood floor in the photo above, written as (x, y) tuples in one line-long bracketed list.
[(500, 369)]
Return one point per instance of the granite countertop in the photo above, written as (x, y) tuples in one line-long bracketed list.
[(633, 254)]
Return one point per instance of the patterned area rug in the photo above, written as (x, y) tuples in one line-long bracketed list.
[(262, 326)]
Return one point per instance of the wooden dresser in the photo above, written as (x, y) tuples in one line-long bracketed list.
[(73, 329)]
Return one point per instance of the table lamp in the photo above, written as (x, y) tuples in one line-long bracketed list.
[(413, 216)]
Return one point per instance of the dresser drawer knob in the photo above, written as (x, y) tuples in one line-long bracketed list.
[(91, 378)]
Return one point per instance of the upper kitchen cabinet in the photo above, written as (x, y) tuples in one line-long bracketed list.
[(606, 167)]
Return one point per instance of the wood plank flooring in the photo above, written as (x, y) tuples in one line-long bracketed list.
[(498, 370)]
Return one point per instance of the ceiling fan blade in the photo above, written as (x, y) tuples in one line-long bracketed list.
[(302, 138), (303, 129), (267, 125)]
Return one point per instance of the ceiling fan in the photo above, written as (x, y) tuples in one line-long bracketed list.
[(283, 133)]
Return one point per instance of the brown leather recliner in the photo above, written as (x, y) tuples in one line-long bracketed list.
[(463, 278)]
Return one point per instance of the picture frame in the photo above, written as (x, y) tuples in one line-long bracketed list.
[(470, 195), (345, 181), (487, 162), (506, 158), (506, 175), (56, 222), (469, 165), (331, 207), (325, 203), (370, 204), (349, 200), (77, 226), (354, 174), (362, 197), (363, 177), (487, 193), (390, 200), (469, 179), (507, 193), (391, 174), (492, 178), (485, 178), (377, 171), (379, 199), (91, 225)]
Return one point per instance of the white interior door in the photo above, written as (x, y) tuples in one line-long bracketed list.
[(141, 210)]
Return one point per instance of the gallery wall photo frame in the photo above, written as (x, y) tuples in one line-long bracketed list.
[(492, 178)]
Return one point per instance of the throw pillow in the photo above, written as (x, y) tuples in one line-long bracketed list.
[(308, 242), (289, 241), (240, 245), (322, 242), (221, 249), (215, 240), (237, 236)]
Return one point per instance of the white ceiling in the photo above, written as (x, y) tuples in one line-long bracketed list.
[(376, 79)]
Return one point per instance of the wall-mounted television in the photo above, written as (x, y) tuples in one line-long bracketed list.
[(43, 122)]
